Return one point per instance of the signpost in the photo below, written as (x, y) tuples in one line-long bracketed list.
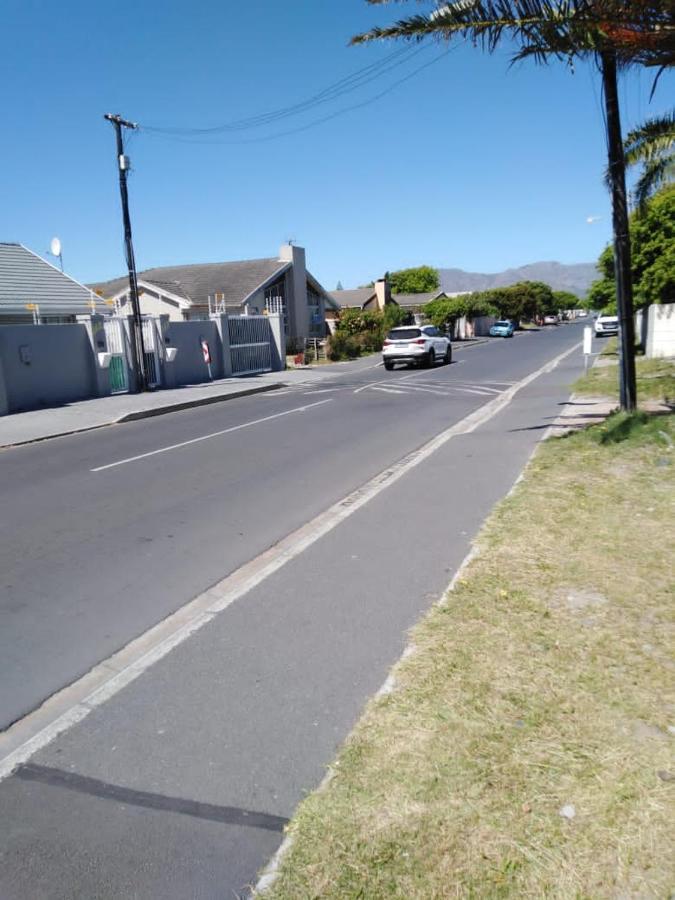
[(207, 355), (588, 346)]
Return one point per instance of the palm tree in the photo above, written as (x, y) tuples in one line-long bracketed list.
[(615, 33), (653, 145)]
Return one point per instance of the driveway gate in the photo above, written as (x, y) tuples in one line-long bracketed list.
[(250, 344), (151, 346), (116, 342)]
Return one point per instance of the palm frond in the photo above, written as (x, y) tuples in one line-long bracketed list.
[(656, 173), (655, 137), (637, 31)]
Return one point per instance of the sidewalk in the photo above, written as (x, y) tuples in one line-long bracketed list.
[(85, 415)]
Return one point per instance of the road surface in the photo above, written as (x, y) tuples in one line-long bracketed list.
[(179, 785)]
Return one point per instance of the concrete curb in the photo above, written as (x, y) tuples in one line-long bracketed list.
[(463, 345), (201, 401), (151, 412)]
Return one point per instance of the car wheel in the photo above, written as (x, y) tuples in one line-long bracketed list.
[(388, 364), (448, 356), (431, 359)]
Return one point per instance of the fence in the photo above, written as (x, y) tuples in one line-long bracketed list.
[(44, 365), (661, 330), (250, 344)]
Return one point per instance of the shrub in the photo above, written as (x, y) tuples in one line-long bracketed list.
[(343, 346)]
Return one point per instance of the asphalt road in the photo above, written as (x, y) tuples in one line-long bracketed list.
[(178, 786)]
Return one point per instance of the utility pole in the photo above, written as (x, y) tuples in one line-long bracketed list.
[(622, 264), (140, 369)]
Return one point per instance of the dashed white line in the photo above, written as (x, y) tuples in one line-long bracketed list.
[(206, 437)]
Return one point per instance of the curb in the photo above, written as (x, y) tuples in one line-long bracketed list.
[(462, 345), (149, 413)]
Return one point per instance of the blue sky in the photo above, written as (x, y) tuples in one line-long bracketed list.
[(468, 164)]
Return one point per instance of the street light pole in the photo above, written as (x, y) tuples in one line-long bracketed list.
[(140, 368)]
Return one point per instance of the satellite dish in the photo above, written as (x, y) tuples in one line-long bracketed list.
[(55, 247)]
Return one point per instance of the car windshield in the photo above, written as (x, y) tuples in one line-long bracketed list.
[(502, 324), (404, 334)]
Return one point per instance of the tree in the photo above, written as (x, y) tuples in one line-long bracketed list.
[(652, 145), (566, 300), (615, 33), (419, 280), (338, 286), (653, 260)]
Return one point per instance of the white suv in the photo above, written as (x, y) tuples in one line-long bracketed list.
[(423, 344), (606, 325)]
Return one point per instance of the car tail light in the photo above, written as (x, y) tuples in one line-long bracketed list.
[(388, 343), (420, 341)]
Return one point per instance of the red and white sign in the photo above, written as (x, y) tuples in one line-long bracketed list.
[(206, 352)]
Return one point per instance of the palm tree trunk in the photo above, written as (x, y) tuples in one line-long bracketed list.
[(622, 268)]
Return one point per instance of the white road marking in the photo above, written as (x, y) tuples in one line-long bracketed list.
[(71, 705), (206, 437), (424, 389), (365, 386), (386, 390), (466, 390)]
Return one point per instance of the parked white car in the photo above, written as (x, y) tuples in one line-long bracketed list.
[(423, 345), (606, 325)]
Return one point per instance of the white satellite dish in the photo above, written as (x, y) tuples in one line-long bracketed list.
[(55, 247)]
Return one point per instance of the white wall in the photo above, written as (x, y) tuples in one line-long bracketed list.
[(661, 330)]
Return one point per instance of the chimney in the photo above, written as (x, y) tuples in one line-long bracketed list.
[(296, 300), (382, 293)]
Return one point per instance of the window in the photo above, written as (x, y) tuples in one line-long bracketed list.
[(275, 300)]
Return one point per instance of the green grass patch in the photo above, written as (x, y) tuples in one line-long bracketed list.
[(542, 683), (655, 378)]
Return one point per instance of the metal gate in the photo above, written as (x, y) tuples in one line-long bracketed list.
[(115, 337), (250, 344), (151, 345)]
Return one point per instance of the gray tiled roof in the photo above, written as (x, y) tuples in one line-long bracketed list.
[(236, 280), (409, 300), (348, 299), (26, 278)]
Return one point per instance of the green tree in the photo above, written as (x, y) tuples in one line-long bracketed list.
[(613, 32), (566, 300), (653, 146), (419, 280), (653, 260)]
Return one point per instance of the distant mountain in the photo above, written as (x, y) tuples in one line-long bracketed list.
[(576, 278)]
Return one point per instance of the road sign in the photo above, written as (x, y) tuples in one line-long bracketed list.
[(206, 352)]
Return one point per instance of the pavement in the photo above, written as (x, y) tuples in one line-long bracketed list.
[(87, 415), (266, 558)]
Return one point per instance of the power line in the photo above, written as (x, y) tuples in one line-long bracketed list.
[(185, 139), (346, 85)]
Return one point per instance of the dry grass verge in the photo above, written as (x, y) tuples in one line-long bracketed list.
[(655, 377), (527, 750)]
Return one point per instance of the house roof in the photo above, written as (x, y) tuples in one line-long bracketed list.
[(27, 278), (410, 300), (355, 298), (196, 282)]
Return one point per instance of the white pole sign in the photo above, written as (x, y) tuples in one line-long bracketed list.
[(588, 340)]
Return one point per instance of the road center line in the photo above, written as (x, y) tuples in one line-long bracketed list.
[(74, 703), (206, 437)]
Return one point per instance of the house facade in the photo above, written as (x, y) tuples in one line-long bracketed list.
[(245, 287)]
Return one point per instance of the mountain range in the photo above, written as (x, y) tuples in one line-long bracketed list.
[(576, 277)]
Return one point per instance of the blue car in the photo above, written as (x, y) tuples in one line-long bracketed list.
[(503, 328)]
